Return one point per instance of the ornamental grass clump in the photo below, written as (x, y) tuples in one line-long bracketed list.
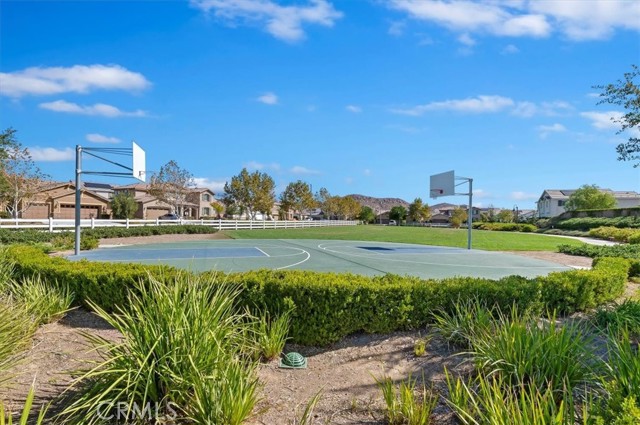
[(466, 319), (45, 302), (407, 403), (490, 400), (272, 334), (623, 316), (621, 382), (525, 351), (183, 352)]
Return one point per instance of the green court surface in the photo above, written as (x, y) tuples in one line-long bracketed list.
[(360, 257)]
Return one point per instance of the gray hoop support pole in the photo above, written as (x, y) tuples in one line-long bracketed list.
[(470, 214), (78, 196)]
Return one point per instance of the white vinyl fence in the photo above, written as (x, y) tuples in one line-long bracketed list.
[(53, 225)]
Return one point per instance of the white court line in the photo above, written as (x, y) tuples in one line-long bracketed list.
[(295, 264), (262, 251), (396, 260)]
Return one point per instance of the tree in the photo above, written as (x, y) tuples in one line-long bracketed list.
[(328, 203), (419, 212), (218, 208), (172, 185), (348, 208), (123, 205), (398, 213), (252, 193), (505, 216), (625, 93), (297, 197), (20, 179), (367, 215), (458, 216), (589, 197)]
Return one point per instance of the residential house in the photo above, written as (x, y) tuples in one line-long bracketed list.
[(551, 202), (201, 198), (58, 200), (441, 213)]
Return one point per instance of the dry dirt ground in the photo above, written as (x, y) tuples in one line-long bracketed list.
[(344, 373)]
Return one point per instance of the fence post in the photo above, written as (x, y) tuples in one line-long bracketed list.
[(236, 224), (93, 223), (219, 224), (50, 224), (127, 223)]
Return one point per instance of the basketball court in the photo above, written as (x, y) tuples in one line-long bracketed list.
[(365, 258)]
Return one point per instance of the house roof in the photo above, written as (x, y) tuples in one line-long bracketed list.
[(563, 194), (101, 186)]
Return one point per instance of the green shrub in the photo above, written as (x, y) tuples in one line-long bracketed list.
[(184, 342), (579, 290), (626, 235), (329, 306), (588, 223), (506, 227), (66, 239), (593, 251)]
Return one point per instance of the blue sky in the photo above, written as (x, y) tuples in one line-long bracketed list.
[(360, 96)]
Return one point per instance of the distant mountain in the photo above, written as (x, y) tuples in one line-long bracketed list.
[(379, 204)]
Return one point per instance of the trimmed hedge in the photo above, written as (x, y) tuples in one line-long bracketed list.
[(625, 235), (588, 223), (329, 306), (506, 227), (26, 236)]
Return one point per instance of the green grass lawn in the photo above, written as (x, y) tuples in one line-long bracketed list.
[(481, 239)]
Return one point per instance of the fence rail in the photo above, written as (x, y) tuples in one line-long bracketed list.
[(53, 225)]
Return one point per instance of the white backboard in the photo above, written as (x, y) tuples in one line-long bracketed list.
[(443, 184), (139, 163)]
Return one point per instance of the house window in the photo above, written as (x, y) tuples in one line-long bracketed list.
[(560, 203), (206, 197), (206, 212)]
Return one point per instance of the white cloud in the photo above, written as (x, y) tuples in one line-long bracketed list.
[(283, 22), (478, 105), (98, 109), (603, 120), (476, 16), (589, 20), (51, 154), (298, 169), (482, 194), (268, 98), (39, 81), (99, 138), (510, 49), (396, 28), (259, 166), (523, 196), (353, 108), (545, 130), (217, 186), (525, 109), (576, 20), (467, 40)]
